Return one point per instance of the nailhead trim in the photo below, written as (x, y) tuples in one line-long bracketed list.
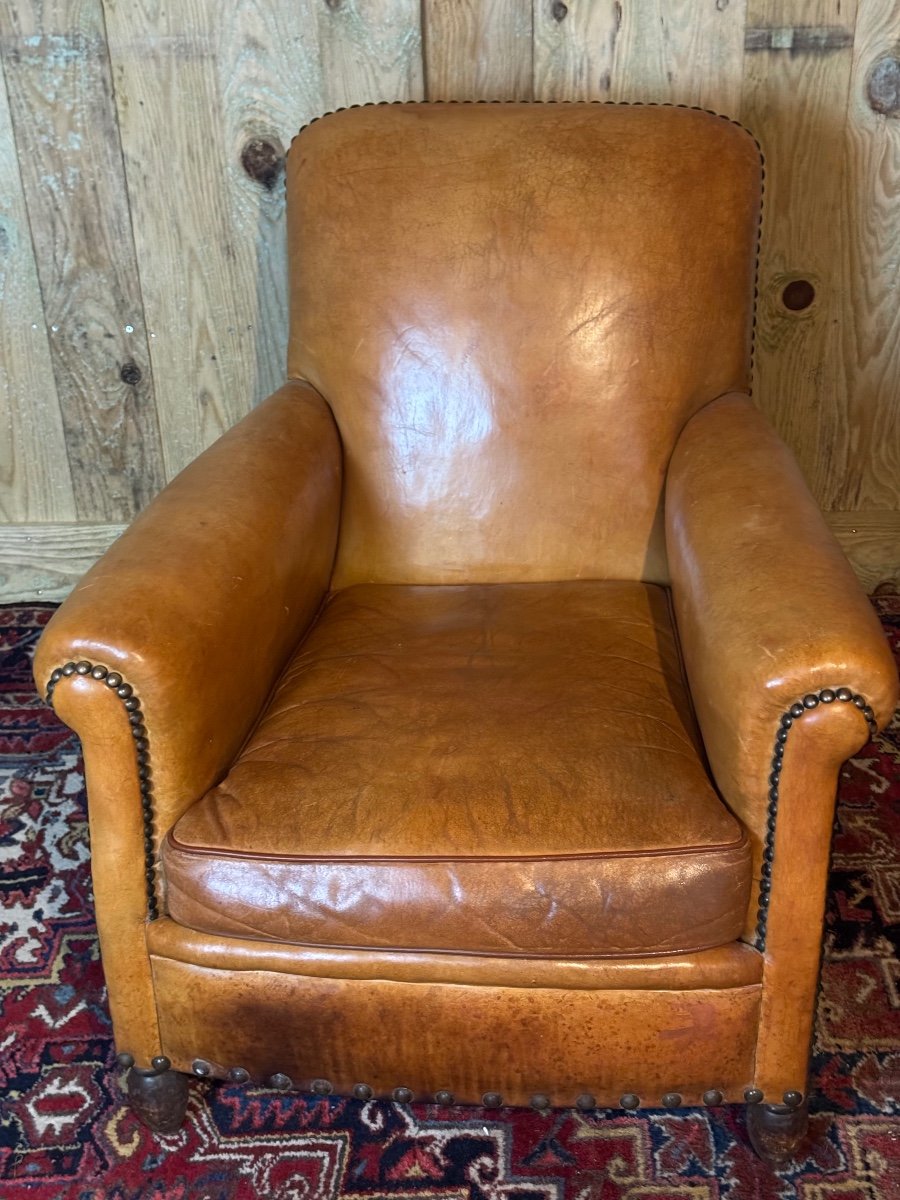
[(796, 712), (132, 706), (540, 1101)]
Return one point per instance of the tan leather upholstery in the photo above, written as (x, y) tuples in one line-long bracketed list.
[(549, 292), (392, 673), (516, 765)]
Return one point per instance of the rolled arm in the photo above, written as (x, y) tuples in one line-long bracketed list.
[(199, 603), (767, 607)]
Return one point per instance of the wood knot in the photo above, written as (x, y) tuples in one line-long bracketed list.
[(263, 162), (130, 373), (559, 10), (798, 295), (883, 85)]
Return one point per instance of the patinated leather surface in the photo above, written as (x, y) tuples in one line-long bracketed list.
[(201, 601), (733, 966), (818, 743), (468, 1040), (504, 769), (767, 606), (512, 310)]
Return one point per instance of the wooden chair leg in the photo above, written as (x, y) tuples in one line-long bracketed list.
[(158, 1096), (776, 1130)]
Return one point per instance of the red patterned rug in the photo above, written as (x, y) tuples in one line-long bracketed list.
[(65, 1132)]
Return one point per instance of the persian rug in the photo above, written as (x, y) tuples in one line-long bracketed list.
[(65, 1133)]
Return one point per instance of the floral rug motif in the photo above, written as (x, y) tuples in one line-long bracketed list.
[(66, 1133)]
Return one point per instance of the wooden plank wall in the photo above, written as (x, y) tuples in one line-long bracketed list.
[(142, 271)]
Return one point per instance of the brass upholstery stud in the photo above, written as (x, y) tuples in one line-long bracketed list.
[(132, 706), (125, 1060), (200, 1067), (445, 1099), (671, 1100), (809, 702), (492, 1100), (160, 1063), (362, 1091), (540, 1101), (793, 1099), (585, 1101), (753, 1095), (402, 1095), (321, 1087), (280, 1082), (630, 1100), (713, 1097), (239, 1075)]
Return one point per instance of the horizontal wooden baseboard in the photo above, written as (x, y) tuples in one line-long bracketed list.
[(44, 562)]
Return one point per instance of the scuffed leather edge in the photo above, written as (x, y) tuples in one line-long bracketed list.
[(794, 713), (132, 706)]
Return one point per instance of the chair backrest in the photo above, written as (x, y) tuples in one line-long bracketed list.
[(513, 309)]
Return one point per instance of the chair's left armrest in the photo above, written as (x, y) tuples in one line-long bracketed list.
[(199, 603), (767, 607)]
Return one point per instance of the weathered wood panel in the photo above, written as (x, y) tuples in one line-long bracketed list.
[(371, 50), (871, 540), (796, 83), (45, 561), (198, 279), (478, 49), (674, 51), (57, 77), (34, 470), (870, 285)]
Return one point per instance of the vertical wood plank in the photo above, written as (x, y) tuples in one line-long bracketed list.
[(35, 483), (663, 51), (270, 83), (796, 78), (477, 49), (57, 75), (870, 295), (371, 50), (198, 279)]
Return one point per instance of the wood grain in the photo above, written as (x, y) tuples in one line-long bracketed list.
[(44, 562), (870, 291), (664, 51), (198, 279), (795, 101), (269, 81), (57, 76), (34, 470), (477, 49), (871, 540), (370, 50)]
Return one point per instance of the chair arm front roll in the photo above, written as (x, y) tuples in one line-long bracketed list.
[(767, 607), (199, 603)]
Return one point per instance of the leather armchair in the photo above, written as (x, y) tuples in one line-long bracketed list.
[(464, 725)]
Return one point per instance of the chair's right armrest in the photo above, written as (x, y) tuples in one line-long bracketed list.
[(200, 602)]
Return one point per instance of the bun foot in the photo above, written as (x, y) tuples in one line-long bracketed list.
[(776, 1131), (158, 1096)]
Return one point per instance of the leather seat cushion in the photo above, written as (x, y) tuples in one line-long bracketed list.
[(502, 769)]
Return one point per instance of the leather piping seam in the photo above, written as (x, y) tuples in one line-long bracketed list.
[(311, 860), (132, 707), (711, 112), (796, 711)]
